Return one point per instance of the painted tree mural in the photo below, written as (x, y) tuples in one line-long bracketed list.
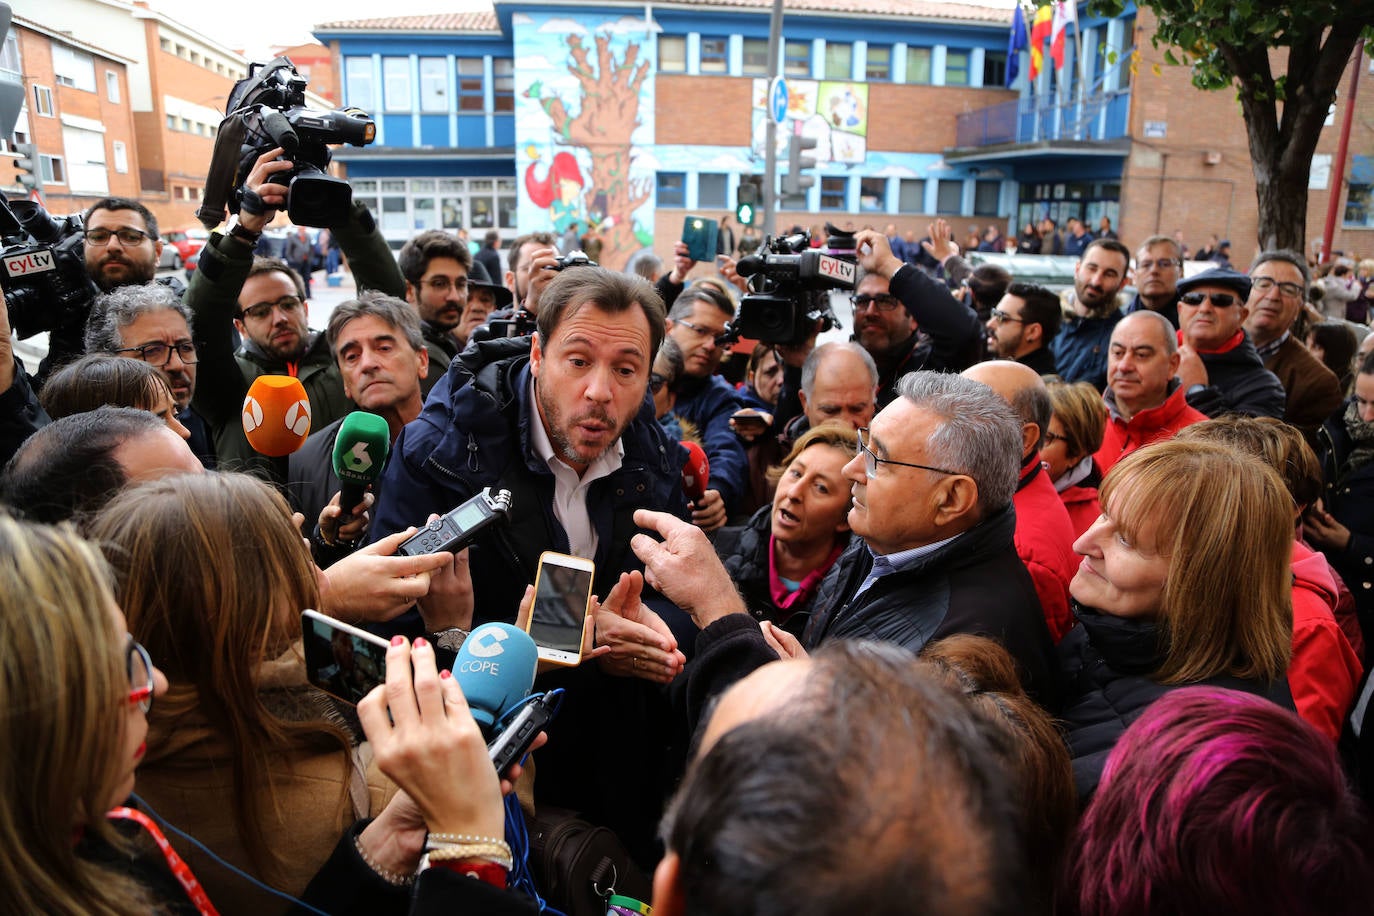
[(606, 119)]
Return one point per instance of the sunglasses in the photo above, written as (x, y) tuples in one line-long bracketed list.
[(1220, 300)]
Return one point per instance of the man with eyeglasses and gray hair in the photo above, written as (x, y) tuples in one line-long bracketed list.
[(1158, 267), (1278, 289), (932, 483), (149, 322)]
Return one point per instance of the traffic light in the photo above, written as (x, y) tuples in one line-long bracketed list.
[(794, 182), (27, 165), (746, 202)]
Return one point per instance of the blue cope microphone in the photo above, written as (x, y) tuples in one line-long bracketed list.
[(495, 669)]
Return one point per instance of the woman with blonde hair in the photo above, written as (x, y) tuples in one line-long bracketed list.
[(244, 755), (1074, 434), (1185, 579)]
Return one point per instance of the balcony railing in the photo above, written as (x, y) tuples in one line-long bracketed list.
[(1099, 116)]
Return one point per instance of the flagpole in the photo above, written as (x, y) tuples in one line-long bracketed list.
[(1082, 69)]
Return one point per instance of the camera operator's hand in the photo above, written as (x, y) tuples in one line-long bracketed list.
[(875, 254), (941, 246), (682, 265), (273, 196), (731, 275), (542, 262)]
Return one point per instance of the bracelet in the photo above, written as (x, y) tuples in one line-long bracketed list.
[(395, 879), (482, 852), (441, 839), (488, 872)]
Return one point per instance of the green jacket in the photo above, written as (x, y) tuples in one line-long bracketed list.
[(224, 376)]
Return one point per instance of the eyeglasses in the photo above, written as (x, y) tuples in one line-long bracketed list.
[(160, 354), (140, 666), (882, 302), (127, 237), (1265, 284), (1050, 437), (261, 310), (1220, 300), (871, 461), (719, 338), (656, 382), (1002, 317), (444, 284), (1162, 264)]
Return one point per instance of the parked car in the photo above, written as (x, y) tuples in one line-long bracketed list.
[(181, 247)]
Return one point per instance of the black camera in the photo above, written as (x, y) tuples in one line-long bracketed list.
[(575, 258), (506, 323), (267, 110), (46, 283), (789, 286)]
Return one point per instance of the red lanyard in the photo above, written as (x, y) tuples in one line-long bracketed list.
[(174, 862)]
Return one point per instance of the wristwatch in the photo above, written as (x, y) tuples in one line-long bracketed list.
[(450, 639), (237, 230)]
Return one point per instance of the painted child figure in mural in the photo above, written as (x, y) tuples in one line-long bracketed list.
[(560, 191)]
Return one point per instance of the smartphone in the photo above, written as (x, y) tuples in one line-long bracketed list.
[(699, 234), (562, 596), (343, 661)]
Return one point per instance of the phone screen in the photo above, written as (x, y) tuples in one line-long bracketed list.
[(342, 662), (560, 606)]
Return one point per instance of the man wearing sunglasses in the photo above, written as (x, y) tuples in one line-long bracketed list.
[(1219, 368), (1278, 289), (266, 301)]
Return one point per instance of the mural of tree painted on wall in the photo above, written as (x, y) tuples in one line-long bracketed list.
[(607, 114)]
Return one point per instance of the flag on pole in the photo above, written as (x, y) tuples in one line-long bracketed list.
[(1065, 12), (1016, 43), (1040, 30)]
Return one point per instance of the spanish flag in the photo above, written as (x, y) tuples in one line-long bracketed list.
[(1040, 31)]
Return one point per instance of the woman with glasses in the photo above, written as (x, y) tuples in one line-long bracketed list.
[(778, 558), (1074, 434), (1185, 579), (76, 695)]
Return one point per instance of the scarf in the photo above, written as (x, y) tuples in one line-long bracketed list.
[(1362, 437)]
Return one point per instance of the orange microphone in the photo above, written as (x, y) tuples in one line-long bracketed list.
[(276, 415)]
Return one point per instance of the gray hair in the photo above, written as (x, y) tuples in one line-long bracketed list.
[(1287, 256), (1166, 328), (121, 307), (646, 265), (978, 434), (395, 312), (833, 349)]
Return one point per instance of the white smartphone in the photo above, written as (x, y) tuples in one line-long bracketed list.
[(342, 660), (562, 597)]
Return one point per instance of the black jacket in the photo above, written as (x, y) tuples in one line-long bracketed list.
[(1107, 663), (1237, 382), (1350, 498), (948, 336), (744, 551), (975, 584), (1041, 359)]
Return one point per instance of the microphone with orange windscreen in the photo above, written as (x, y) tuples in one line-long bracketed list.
[(276, 415)]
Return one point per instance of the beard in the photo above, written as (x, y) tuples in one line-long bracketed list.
[(563, 430), (132, 273)]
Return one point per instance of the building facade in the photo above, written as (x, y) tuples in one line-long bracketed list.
[(629, 117), (77, 112)]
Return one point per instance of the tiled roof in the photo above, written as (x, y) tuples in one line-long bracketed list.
[(434, 22), (485, 21)]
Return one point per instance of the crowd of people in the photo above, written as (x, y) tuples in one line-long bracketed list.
[(1012, 602)]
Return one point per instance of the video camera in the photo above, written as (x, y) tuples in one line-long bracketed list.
[(46, 283), (521, 323), (267, 110), (789, 284)]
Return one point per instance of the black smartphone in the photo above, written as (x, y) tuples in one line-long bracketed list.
[(343, 661), (700, 234)]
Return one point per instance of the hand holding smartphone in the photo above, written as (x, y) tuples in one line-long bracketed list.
[(562, 597)]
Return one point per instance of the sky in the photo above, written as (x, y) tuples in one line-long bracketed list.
[(291, 22)]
